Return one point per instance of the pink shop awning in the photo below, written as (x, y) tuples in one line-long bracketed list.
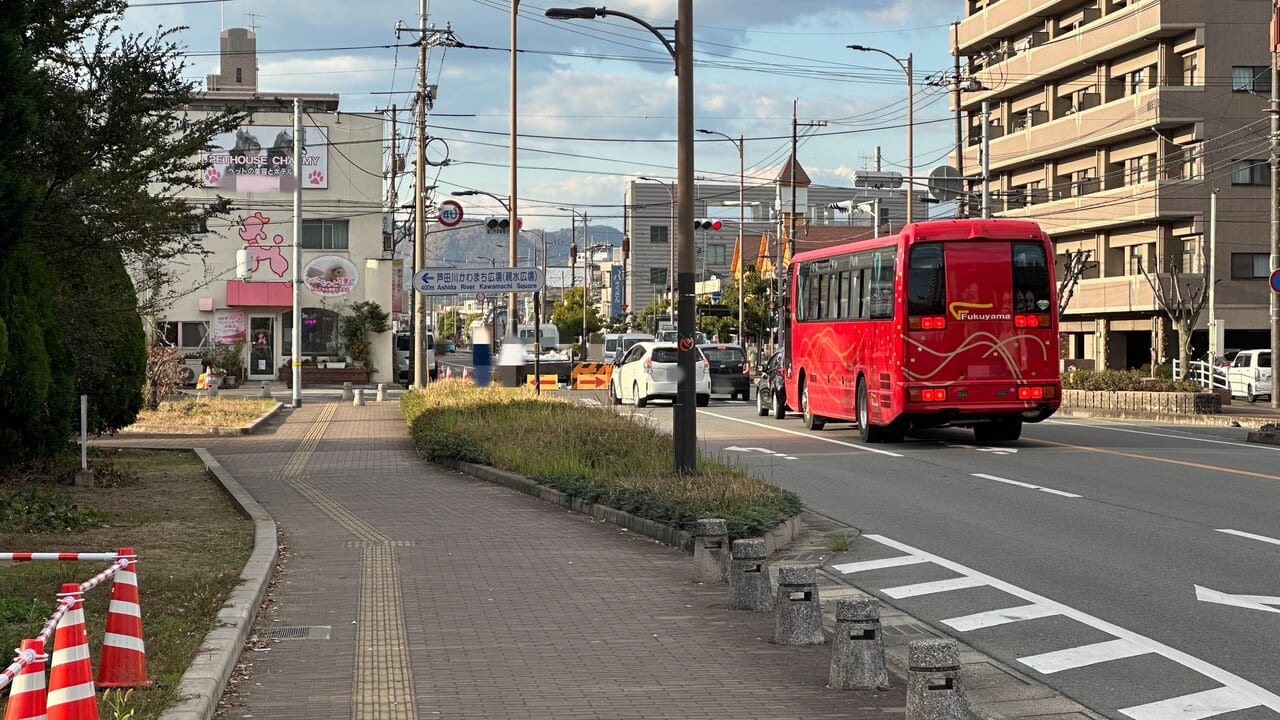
[(259, 294)]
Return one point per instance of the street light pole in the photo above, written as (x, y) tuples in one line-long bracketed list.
[(741, 218), (512, 227), (906, 68), (685, 416)]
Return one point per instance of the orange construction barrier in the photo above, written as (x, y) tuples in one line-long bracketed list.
[(27, 694), (71, 692), (124, 658)]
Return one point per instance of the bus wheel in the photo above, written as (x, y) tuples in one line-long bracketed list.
[(811, 421), (1003, 430), (869, 433)]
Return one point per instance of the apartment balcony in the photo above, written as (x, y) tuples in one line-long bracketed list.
[(1005, 17), (1101, 125), (1136, 26), (1142, 202), (1097, 296)]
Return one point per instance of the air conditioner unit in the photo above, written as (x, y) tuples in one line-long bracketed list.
[(189, 371)]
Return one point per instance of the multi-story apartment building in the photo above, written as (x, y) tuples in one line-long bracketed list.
[(342, 249), (1111, 122), (766, 211)]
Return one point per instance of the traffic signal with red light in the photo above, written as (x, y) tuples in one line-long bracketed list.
[(573, 253), (706, 224)]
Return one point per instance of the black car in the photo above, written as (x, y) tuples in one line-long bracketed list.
[(771, 393), (729, 370)]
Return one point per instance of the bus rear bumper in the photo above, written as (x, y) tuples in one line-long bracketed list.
[(964, 417)]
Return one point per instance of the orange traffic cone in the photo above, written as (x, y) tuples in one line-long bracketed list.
[(448, 372), (466, 373), (71, 672), (27, 695), (124, 659)]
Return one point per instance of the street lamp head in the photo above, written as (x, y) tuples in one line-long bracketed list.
[(464, 192), (579, 13), (857, 47)]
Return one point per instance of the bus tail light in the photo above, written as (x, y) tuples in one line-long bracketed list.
[(931, 322), (1036, 392), (928, 394), (1032, 321)]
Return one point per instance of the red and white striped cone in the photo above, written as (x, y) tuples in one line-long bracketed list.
[(466, 373), (27, 694), (448, 372), (124, 658), (71, 672)]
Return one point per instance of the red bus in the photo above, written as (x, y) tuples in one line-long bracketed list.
[(947, 323)]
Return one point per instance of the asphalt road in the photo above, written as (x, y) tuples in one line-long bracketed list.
[(1089, 554)]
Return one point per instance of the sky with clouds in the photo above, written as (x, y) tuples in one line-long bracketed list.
[(597, 98)]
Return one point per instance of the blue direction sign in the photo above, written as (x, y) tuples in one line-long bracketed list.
[(472, 281), (1275, 280)]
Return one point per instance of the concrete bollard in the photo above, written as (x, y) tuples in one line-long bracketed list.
[(797, 612), (749, 576), (382, 392), (711, 550), (212, 390), (358, 400), (934, 691), (857, 649), (265, 392), (346, 391)]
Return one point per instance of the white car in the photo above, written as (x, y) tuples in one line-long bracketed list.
[(1249, 375), (648, 370)]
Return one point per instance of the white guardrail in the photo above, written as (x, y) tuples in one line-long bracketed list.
[(1204, 374)]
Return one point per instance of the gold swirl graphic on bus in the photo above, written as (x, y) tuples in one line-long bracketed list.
[(987, 343), (967, 311)]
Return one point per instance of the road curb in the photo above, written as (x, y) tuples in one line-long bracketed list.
[(205, 679)]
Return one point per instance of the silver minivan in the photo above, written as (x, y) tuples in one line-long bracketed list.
[(615, 344), (403, 352)]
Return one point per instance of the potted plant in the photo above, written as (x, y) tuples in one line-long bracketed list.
[(226, 362), (366, 317)]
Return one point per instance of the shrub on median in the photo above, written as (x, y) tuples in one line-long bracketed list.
[(1116, 380), (591, 453)]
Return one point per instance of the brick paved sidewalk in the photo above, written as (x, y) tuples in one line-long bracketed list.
[(448, 597)]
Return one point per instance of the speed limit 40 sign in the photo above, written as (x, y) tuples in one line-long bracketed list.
[(450, 213)]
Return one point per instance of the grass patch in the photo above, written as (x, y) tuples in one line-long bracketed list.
[(191, 542), (203, 412), (837, 542), (596, 454)]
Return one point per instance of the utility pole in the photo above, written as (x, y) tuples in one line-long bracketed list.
[(1274, 300), (296, 339), (791, 231), (392, 169), (420, 373), (586, 280), (955, 48), (986, 158)]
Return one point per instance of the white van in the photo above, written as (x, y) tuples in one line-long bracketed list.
[(550, 336), (1249, 375), (615, 344), (404, 358)]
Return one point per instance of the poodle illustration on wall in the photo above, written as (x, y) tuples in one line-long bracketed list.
[(252, 231)]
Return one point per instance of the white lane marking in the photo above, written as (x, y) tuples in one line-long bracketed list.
[(1191, 707), (1251, 536), (1028, 486), (1257, 695), (992, 618), (848, 568), (1210, 441), (808, 435), (1252, 602), (937, 586), (1071, 658)]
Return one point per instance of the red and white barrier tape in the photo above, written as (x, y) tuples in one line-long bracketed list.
[(96, 580), (29, 556)]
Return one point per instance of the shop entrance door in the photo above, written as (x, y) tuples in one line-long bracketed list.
[(262, 348)]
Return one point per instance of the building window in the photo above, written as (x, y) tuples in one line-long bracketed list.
[(185, 335), (319, 333), (1250, 172), (1136, 170), (1190, 68), (1191, 255), (1249, 266), (1138, 81), (1137, 259), (1251, 78), (715, 255), (659, 234), (1192, 169), (324, 234), (239, 75)]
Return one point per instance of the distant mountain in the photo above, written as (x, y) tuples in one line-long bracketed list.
[(472, 244)]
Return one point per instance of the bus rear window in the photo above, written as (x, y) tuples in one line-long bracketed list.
[(926, 280), (1031, 286)]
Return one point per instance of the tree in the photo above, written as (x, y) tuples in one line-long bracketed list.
[(1182, 296), (98, 152), (755, 306), (366, 317), (567, 315), (1074, 266)]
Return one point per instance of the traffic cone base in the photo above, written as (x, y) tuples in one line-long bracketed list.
[(27, 695)]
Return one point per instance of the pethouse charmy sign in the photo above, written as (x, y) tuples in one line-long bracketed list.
[(253, 158)]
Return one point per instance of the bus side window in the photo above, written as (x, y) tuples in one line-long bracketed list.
[(926, 281), (1030, 278)]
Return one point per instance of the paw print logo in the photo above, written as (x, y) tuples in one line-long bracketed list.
[(212, 176), (316, 177)]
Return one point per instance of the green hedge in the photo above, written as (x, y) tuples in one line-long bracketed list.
[(591, 453), (1115, 380)]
